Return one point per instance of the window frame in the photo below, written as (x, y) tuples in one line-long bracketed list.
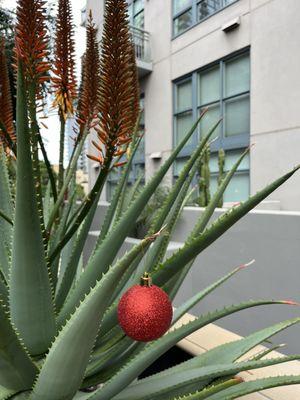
[(226, 143), (195, 21), (229, 143)]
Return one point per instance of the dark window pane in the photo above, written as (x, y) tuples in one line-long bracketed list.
[(237, 116), (238, 188), (139, 20), (209, 86), (180, 5), (184, 96), (237, 76), (210, 119), (208, 7), (183, 22), (138, 6), (184, 123)]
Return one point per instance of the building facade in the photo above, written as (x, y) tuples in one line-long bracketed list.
[(239, 59)]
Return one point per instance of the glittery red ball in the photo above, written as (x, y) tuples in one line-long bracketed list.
[(145, 313)]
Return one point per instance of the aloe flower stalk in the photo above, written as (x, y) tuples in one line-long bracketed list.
[(7, 129), (119, 90), (64, 81), (88, 96), (31, 50)]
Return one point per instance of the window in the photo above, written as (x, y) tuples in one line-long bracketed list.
[(136, 13), (187, 13), (223, 88), (138, 165)]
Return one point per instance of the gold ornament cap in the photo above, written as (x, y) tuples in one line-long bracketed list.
[(146, 280)]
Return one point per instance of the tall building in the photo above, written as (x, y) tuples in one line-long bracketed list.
[(239, 58)]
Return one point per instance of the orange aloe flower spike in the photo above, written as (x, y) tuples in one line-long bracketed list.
[(64, 81)]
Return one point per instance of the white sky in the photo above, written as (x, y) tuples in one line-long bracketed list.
[(51, 135)]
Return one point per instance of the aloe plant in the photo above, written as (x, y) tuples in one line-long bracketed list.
[(59, 333), (204, 179)]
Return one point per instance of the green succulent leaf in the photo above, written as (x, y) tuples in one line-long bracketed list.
[(17, 369), (232, 351), (166, 388), (213, 204), (6, 393), (30, 295), (173, 195), (185, 307), (254, 386), (6, 208), (155, 349), (206, 392), (75, 247), (3, 291)]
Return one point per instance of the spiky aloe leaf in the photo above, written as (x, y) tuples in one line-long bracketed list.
[(158, 250), (69, 272), (79, 333), (173, 285), (69, 175), (173, 195), (101, 360), (185, 307), (206, 392), (254, 386), (113, 366), (57, 267), (30, 294), (155, 349), (17, 369), (262, 354), (3, 291), (7, 208), (209, 210), (120, 189), (108, 249), (47, 203), (197, 244), (232, 351), (229, 352), (6, 393), (167, 388)]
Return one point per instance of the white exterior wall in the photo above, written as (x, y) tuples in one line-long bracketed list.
[(272, 30)]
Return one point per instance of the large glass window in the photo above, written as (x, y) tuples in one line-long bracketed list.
[(136, 13), (187, 13), (224, 89), (183, 109)]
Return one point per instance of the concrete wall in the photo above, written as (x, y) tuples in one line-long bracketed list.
[(271, 238)]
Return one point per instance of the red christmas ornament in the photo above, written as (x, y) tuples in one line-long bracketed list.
[(145, 311)]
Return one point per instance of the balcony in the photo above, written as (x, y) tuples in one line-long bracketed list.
[(141, 41)]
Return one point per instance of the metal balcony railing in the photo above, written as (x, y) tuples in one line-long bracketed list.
[(141, 41)]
